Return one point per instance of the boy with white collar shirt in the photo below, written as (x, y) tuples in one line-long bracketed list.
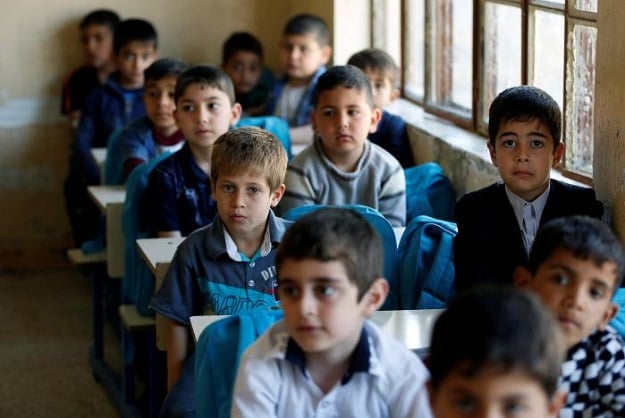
[(325, 358)]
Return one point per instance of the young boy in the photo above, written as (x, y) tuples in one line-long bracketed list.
[(575, 267), (228, 266), (342, 166), (382, 72), (304, 51), (96, 35), (151, 135), (325, 358), (497, 224), (179, 193), (107, 108), (242, 60), (495, 352)]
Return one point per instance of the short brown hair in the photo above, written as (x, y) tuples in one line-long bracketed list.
[(250, 148), (208, 75)]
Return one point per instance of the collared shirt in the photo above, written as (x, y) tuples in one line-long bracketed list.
[(528, 214), (384, 379), (236, 255)]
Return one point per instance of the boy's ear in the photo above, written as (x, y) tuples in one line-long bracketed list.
[(326, 53), (277, 194), (556, 403), (558, 151), (375, 296), (376, 115), (236, 113), (493, 154), (608, 315), (521, 276)]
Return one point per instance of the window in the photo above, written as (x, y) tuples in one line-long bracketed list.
[(457, 55)]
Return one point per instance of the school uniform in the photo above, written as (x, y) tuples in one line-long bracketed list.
[(383, 380), (490, 243), (391, 135)]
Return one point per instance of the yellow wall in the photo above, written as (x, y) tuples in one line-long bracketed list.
[(39, 45)]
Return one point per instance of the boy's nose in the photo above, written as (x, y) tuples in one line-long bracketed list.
[(522, 153), (574, 297), (307, 304)]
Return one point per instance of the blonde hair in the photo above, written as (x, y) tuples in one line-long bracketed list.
[(250, 148)]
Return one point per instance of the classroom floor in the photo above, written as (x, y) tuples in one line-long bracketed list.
[(45, 332)]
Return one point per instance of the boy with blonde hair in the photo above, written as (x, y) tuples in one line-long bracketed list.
[(342, 167), (227, 266), (383, 73), (495, 352), (179, 194), (325, 358), (575, 267)]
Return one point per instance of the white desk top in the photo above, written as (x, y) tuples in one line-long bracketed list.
[(158, 250), (411, 327), (106, 195)]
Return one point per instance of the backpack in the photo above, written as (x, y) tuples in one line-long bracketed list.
[(217, 356), (429, 192), (138, 281), (426, 267), (277, 126)]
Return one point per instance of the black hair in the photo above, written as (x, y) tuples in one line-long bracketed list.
[(346, 76), (308, 24), (585, 237), (204, 74), (524, 103), (376, 60), (165, 67), (504, 328), (335, 234), (100, 17), (130, 30), (240, 41)]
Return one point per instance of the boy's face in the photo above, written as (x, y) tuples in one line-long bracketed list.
[(160, 105), (321, 308), (577, 291), (301, 56), (343, 119), (493, 393), (243, 202), (524, 154), (132, 59), (97, 45), (203, 113), (383, 91), (244, 69)]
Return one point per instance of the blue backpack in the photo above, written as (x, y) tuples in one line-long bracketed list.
[(618, 323), (138, 281), (387, 234), (277, 126), (426, 265), (429, 192), (113, 165), (217, 356)]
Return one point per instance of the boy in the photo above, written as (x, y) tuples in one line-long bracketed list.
[(228, 266), (151, 135), (497, 224), (495, 352), (304, 51), (325, 358), (179, 193), (107, 108), (575, 267), (382, 72), (96, 35), (242, 60), (342, 166)]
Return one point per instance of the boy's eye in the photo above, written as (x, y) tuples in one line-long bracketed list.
[(228, 188), (465, 404), (253, 190), (560, 279), (513, 407), (287, 291), (508, 143), (213, 106), (325, 291), (327, 112), (596, 293), (353, 112), (152, 93), (188, 108), (378, 86), (536, 143)]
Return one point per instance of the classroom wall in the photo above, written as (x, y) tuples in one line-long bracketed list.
[(609, 159), (39, 47)]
